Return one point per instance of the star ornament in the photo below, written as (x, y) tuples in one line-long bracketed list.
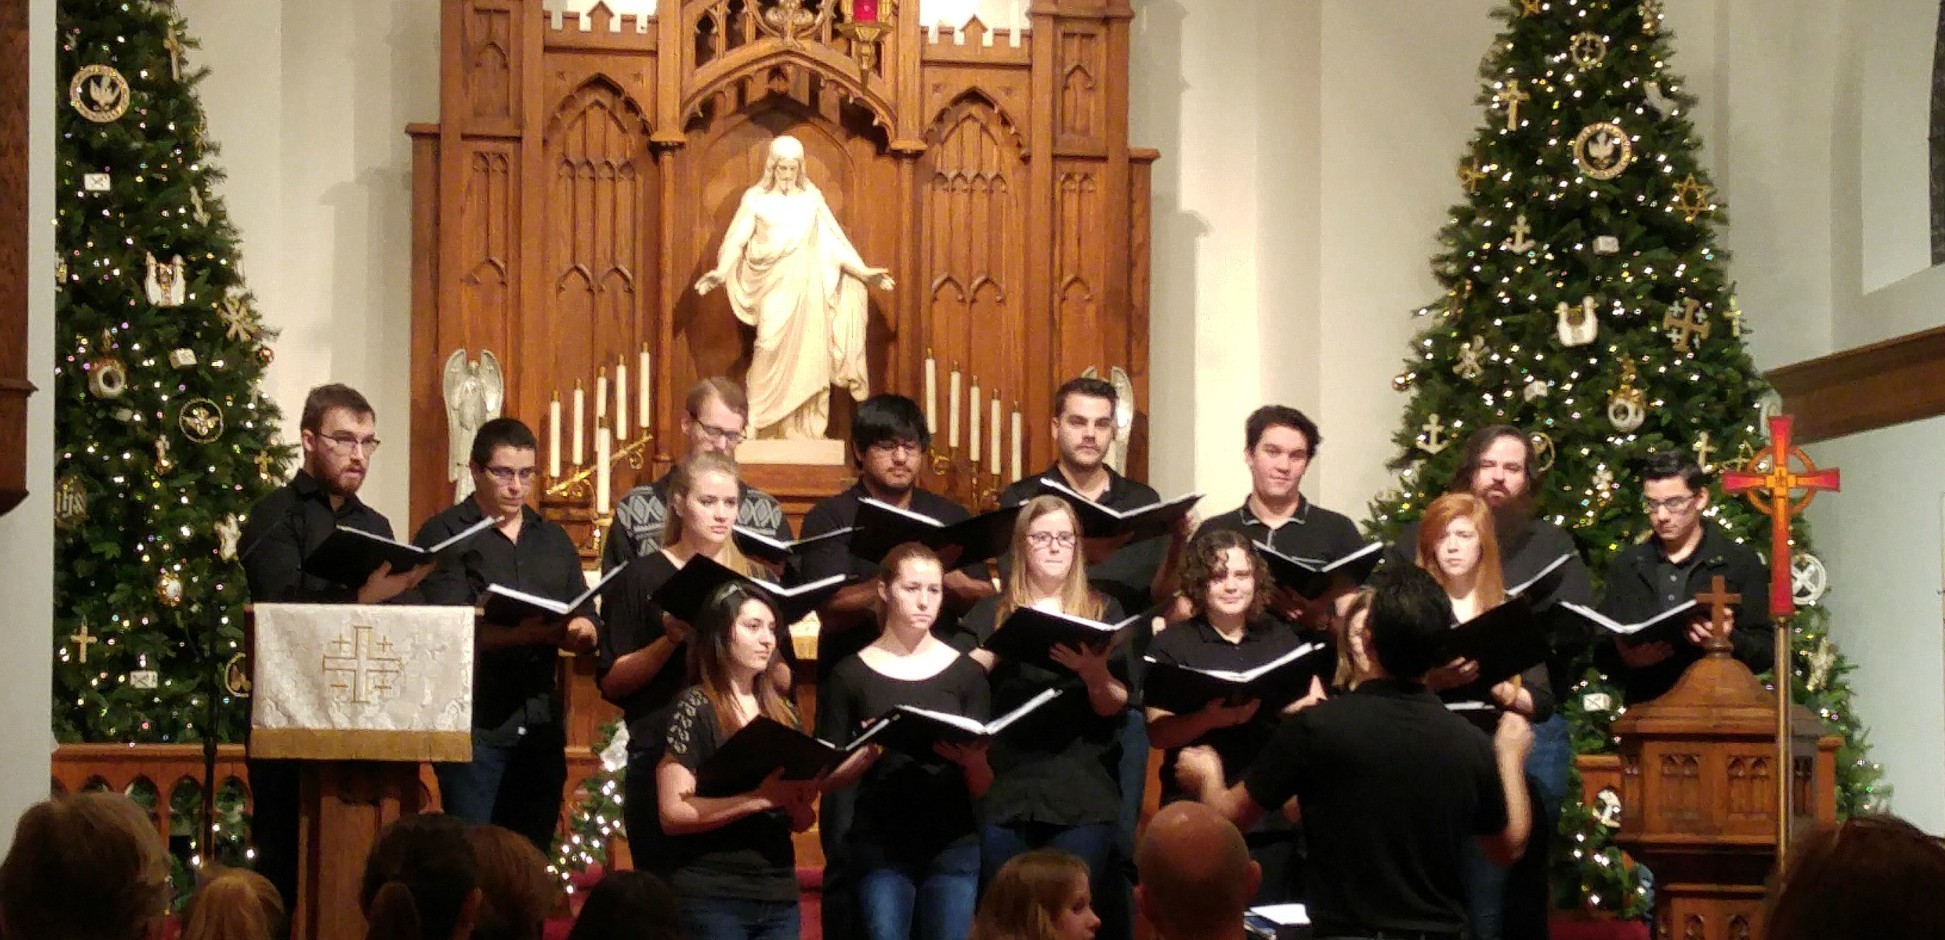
[(238, 322), (1692, 198)]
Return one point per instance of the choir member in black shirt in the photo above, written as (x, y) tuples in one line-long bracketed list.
[(1456, 544), (733, 865), (715, 414), (1680, 561), (1279, 444), (336, 432), (1390, 784), (1054, 781), (912, 845), (639, 663), (1227, 584), (519, 764)]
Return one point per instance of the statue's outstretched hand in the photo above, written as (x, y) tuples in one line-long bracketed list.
[(880, 278), (709, 282)]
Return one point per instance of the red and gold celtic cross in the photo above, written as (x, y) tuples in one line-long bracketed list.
[(1780, 483)]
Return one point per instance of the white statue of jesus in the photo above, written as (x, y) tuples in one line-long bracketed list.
[(793, 275)]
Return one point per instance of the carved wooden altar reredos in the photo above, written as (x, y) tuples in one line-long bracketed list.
[(585, 167)]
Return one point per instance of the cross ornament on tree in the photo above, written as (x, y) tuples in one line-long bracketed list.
[(1511, 96), (1688, 326), (82, 639)]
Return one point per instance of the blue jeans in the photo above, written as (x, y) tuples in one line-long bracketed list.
[(1546, 769), (514, 786), (737, 919), (933, 901), (1485, 891)]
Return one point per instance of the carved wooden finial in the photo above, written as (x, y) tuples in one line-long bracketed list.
[(1718, 600)]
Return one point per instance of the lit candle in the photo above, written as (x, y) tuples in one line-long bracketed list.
[(554, 437), (601, 396), (601, 450), (864, 11), (996, 434), (1018, 465), (972, 443), (580, 418), (931, 393), (621, 400), (644, 386), (952, 424)]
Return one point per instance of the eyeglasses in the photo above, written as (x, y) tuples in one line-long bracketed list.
[(346, 443), (894, 447), (1045, 539), (1673, 504), (724, 435), (510, 474)]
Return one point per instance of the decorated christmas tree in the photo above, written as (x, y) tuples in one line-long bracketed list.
[(163, 437), (1587, 302)]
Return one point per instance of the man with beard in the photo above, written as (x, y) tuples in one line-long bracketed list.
[(519, 764), (889, 440), (336, 434), (1679, 562), (715, 414), (1498, 467)]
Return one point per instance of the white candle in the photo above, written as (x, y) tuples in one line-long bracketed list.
[(644, 397), (931, 394), (601, 451), (554, 437), (601, 396), (996, 435), (621, 400), (972, 442), (952, 424), (580, 419), (1018, 465)]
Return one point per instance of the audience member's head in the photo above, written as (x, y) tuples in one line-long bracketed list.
[(1354, 660), (1408, 621), (421, 881), (628, 905), (1196, 873), (233, 904), (1038, 895), (85, 867), (1864, 879), (515, 890)]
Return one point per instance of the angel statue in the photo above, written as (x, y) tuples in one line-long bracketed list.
[(474, 393), (792, 274)]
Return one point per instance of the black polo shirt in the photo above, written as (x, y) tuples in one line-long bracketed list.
[(642, 512), (1196, 644), (1314, 534), (515, 688), (1128, 575), (1641, 582), (285, 527), (1392, 788)]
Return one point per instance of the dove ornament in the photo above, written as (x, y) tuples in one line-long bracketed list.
[(1602, 150), (99, 93)]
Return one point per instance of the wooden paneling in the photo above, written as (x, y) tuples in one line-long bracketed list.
[(1877, 386), (14, 386)]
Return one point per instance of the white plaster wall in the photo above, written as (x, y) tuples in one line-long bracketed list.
[(27, 533), (1896, 124)]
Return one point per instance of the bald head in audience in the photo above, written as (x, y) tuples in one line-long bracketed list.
[(1196, 874)]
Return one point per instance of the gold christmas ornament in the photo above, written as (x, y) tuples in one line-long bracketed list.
[(1403, 381), (197, 210), (1692, 198), (266, 355), (61, 273), (1470, 175), (1511, 96), (70, 501), (201, 420), (236, 677), (1469, 367), (1543, 453), (99, 93), (1822, 660), (82, 639), (1650, 17), (163, 462), (1703, 450), (1531, 7), (166, 285), (1519, 242), (1603, 482), (1587, 49), (1734, 316), (1576, 325), (265, 463), (1627, 408), (180, 359), (1687, 324), (1434, 439), (239, 322), (107, 376), (168, 588), (1602, 150), (228, 531)]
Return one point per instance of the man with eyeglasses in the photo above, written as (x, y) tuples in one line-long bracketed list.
[(889, 440), (338, 441), (1680, 561), (715, 415), (519, 766)]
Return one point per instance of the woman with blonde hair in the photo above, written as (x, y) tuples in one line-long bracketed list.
[(1038, 895), (1053, 780), (233, 904), (89, 866), (1458, 545)]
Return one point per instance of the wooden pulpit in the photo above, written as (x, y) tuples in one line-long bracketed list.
[(1699, 795), (361, 695)]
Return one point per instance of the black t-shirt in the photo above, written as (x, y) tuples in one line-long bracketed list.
[(516, 687), (631, 621), (907, 808), (1128, 575), (1314, 534), (1057, 765), (1196, 644), (751, 858), (1392, 786)]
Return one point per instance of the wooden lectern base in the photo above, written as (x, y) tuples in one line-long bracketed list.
[(342, 806)]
